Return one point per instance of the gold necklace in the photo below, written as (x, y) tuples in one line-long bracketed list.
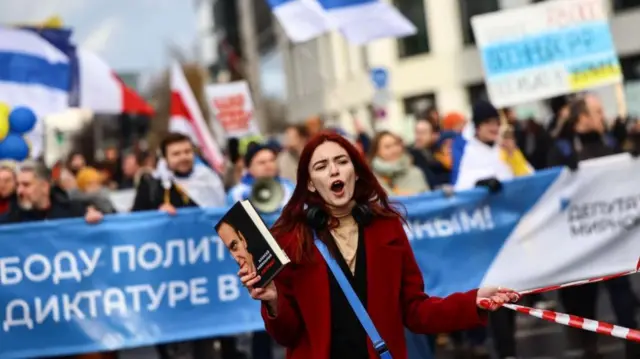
[(346, 238)]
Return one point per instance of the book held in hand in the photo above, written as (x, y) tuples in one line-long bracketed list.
[(250, 243)]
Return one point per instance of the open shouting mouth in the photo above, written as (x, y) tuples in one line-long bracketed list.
[(337, 187)]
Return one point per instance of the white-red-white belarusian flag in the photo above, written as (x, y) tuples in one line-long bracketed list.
[(187, 118), (103, 92)]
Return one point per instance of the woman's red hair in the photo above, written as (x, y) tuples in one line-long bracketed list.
[(293, 217)]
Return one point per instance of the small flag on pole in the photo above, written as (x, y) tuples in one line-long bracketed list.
[(363, 21), (302, 20)]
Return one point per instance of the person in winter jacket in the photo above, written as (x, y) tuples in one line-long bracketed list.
[(393, 167), (37, 199)]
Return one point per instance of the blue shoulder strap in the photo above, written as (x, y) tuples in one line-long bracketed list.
[(565, 147), (354, 301)]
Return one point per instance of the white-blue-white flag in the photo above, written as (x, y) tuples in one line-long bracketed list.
[(35, 74), (363, 21), (302, 20)]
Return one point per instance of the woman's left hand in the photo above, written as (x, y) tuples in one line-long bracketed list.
[(492, 298)]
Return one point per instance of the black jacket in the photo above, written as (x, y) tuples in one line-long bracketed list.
[(434, 171), (61, 207), (150, 195), (534, 142), (568, 151)]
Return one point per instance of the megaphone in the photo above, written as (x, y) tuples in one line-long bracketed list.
[(266, 195)]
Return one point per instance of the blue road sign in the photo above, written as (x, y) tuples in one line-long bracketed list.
[(380, 77)]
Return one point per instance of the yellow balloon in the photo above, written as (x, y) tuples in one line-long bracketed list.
[(4, 120), (5, 110), (54, 22)]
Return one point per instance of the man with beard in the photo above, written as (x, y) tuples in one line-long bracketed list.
[(76, 162), (38, 200), (178, 182)]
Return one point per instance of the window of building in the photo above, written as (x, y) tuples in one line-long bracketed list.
[(630, 67), (416, 44), (477, 92), (470, 8), (418, 105), (625, 4)]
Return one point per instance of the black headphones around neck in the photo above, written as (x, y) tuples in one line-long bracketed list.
[(318, 219)]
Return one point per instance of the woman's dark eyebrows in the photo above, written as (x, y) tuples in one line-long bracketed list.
[(324, 160)]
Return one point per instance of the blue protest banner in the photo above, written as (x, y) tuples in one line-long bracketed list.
[(464, 233), (139, 279), (134, 280), (143, 278)]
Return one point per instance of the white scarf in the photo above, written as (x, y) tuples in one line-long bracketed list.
[(203, 186)]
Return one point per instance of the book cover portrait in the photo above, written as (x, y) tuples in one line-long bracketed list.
[(248, 240)]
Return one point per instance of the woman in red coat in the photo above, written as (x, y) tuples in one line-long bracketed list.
[(304, 308)]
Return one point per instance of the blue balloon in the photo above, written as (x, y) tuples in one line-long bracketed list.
[(21, 120), (14, 147)]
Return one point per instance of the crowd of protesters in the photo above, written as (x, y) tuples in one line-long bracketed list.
[(172, 179)]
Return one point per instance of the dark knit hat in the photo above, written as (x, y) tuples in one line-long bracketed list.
[(252, 151), (557, 103), (482, 112), (274, 144)]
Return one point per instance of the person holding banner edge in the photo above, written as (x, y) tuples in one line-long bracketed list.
[(311, 308), (584, 136)]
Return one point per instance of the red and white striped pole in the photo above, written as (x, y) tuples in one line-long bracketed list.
[(580, 282), (573, 321)]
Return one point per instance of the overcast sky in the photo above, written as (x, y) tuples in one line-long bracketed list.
[(131, 35)]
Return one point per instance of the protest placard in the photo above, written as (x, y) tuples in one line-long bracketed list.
[(545, 50), (233, 108)]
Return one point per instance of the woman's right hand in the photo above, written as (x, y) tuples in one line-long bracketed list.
[(267, 294)]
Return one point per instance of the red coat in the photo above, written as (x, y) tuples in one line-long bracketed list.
[(395, 298)]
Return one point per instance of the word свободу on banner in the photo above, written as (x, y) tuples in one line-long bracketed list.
[(80, 265)]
